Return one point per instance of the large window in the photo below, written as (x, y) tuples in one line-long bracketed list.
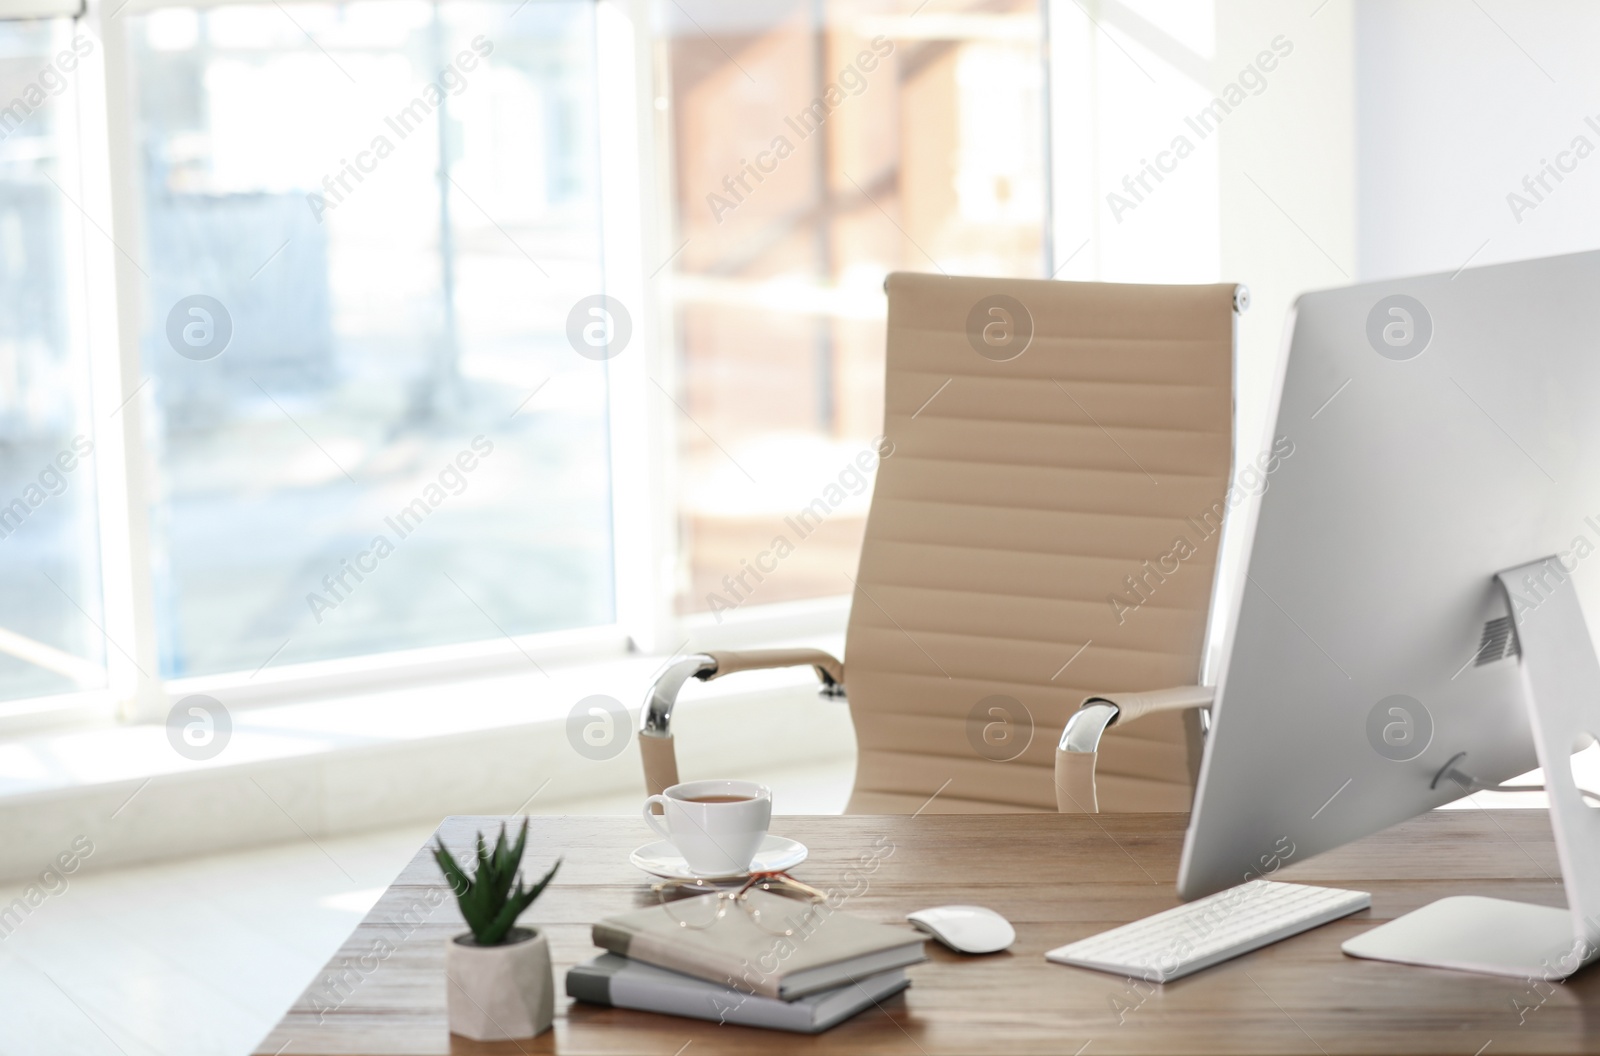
[(364, 225), (368, 371)]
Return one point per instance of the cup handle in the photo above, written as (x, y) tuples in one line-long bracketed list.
[(651, 820)]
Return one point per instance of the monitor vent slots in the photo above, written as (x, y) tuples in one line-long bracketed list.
[(1499, 641)]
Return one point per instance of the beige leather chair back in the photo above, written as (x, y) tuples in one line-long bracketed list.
[(1045, 529)]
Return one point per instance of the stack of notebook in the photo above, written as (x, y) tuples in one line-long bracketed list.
[(734, 971)]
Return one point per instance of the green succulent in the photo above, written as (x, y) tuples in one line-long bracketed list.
[(493, 899)]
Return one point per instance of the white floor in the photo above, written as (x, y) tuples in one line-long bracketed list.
[(201, 957)]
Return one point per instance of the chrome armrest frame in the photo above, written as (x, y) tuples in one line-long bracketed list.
[(655, 720), (1087, 725)]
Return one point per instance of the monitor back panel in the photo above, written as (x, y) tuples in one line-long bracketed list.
[(1430, 432)]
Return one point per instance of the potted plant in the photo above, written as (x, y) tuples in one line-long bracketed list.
[(498, 975)]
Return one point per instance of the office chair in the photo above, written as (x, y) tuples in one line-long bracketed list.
[(1047, 446)]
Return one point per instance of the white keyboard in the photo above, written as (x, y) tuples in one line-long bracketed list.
[(1210, 930)]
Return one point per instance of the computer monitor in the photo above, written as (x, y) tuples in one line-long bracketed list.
[(1443, 428)]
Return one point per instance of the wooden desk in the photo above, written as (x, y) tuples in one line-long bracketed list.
[(1057, 878)]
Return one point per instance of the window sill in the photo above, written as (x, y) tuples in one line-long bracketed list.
[(307, 768)]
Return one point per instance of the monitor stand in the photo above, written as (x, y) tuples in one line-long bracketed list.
[(1561, 686)]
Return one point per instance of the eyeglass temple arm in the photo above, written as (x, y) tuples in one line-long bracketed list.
[(655, 719)]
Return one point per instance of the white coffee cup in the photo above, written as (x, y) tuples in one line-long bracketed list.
[(716, 825)]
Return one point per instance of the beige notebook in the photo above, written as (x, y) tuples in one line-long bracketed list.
[(829, 947)]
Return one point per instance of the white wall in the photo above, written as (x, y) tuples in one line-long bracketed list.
[(1456, 104), (1287, 180), (1131, 77)]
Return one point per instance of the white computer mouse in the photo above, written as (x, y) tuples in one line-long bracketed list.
[(966, 929)]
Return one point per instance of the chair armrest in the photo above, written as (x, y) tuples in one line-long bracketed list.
[(1080, 740), (1133, 706), (829, 669), (655, 721)]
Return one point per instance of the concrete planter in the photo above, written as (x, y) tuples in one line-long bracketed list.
[(500, 992)]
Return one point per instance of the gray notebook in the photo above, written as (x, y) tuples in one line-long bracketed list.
[(618, 981), (829, 947)]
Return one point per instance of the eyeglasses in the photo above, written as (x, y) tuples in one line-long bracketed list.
[(699, 904)]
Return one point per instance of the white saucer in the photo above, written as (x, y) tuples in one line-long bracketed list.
[(662, 859)]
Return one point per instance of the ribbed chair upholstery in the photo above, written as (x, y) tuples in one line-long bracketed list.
[(1044, 528)]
